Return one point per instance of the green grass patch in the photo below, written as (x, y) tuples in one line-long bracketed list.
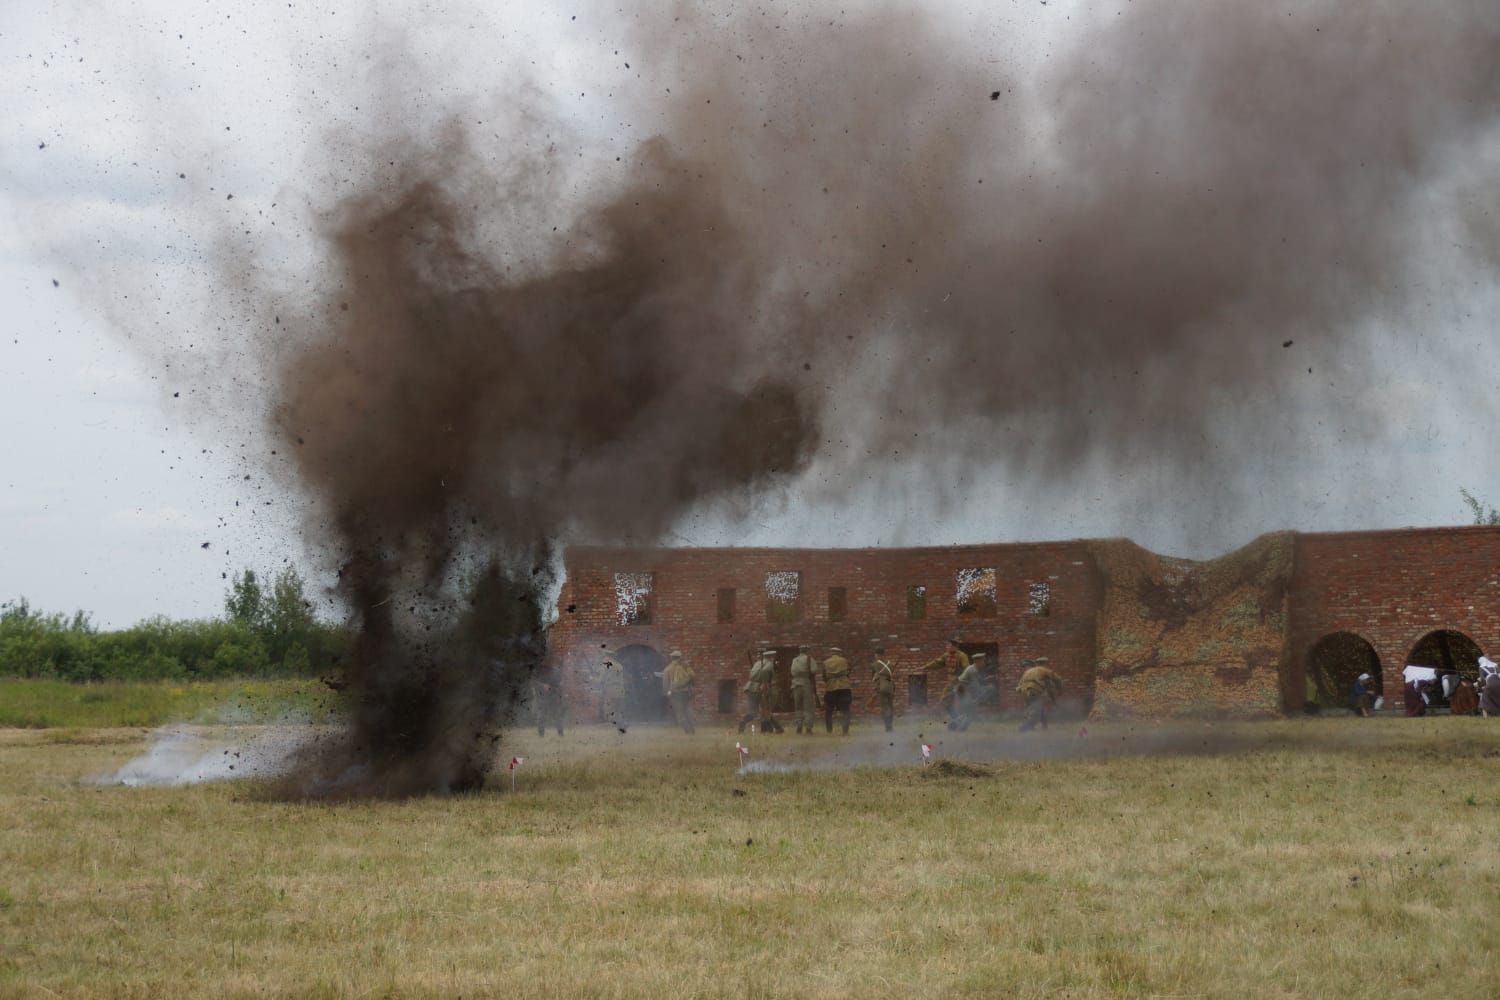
[(1303, 858), (50, 704)]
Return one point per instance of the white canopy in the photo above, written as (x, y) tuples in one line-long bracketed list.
[(1412, 673)]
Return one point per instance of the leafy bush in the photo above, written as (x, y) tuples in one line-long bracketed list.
[(263, 635)]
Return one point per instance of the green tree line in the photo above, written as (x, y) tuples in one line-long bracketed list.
[(266, 631)]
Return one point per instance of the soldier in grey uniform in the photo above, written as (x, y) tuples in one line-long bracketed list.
[(884, 682), (805, 689), (753, 690), (547, 699)]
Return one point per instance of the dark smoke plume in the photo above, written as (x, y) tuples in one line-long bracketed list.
[(851, 233)]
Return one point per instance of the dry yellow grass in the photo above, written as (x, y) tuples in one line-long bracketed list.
[(1308, 858)]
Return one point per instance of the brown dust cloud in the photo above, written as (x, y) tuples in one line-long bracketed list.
[(504, 361)]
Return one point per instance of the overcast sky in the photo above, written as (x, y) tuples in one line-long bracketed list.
[(124, 122)]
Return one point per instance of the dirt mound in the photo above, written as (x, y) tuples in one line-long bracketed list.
[(957, 769)]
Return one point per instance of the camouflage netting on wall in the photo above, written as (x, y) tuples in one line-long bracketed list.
[(1184, 638)]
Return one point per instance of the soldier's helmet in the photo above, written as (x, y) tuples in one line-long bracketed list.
[(676, 654)]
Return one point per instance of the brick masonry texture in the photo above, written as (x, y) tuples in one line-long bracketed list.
[(1133, 634)]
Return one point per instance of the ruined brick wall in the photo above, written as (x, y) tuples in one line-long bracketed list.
[(684, 613), (1132, 633), (1391, 588), (1183, 638)]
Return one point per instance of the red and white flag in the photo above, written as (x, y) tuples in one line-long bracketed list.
[(516, 762), (743, 751), (926, 752)]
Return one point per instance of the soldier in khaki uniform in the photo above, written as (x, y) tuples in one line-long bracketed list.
[(966, 692), (753, 689), (768, 723), (1040, 687), (838, 692), (956, 661), (884, 682), (677, 685), (805, 688)]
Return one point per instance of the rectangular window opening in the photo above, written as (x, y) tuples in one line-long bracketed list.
[(727, 689), (633, 597), (916, 690), (784, 596), (726, 604), (976, 592), (838, 604), (916, 603)]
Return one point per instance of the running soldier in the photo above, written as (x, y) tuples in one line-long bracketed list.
[(838, 694), (754, 689), (884, 682), (967, 688), (768, 723), (547, 699), (677, 685), (1040, 687), (956, 661), (805, 688)]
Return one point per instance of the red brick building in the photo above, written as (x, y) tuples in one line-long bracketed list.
[(1250, 634)]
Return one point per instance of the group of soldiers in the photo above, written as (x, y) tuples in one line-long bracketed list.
[(967, 688), (838, 690)]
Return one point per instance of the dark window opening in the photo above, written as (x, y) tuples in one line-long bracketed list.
[(916, 690), (916, 604), (838, 604), (975, 589), (726, 604), (784, 597), (727, 689)]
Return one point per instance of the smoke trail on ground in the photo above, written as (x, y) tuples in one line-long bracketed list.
[(187, 755), (512, 354)]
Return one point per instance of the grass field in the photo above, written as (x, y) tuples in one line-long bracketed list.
[(1299, 858), (43, 704)]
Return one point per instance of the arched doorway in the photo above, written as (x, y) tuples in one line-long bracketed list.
[(641, 667), (1447, 651), (1333, 664)]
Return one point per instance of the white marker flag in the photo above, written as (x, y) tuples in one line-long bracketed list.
[(743, 751), (926, 754)]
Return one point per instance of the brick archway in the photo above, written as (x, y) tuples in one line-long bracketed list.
[(1446, 650), (1332, 664)]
